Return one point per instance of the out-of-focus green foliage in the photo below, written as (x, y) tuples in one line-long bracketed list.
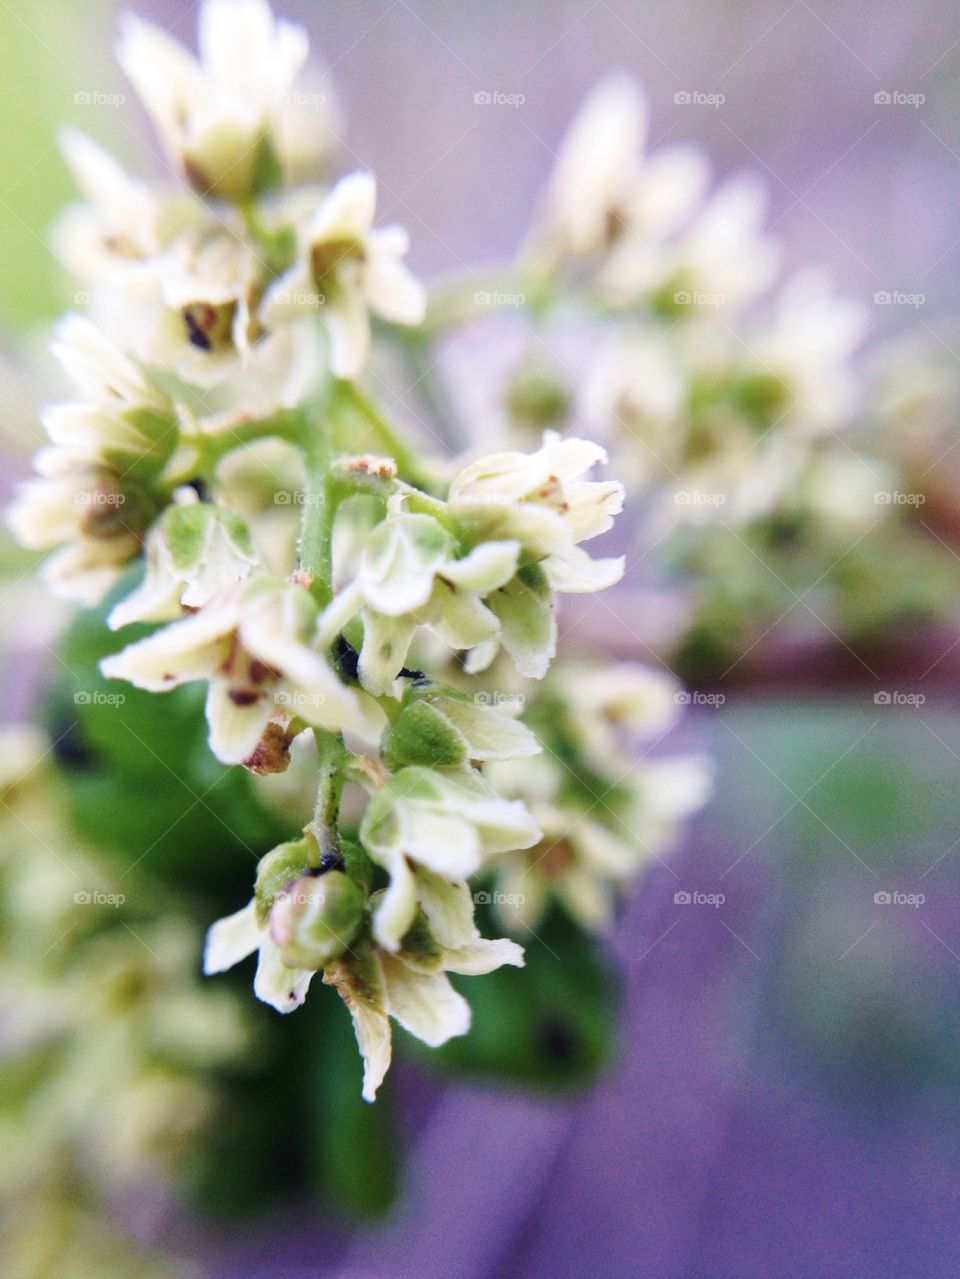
[(54, 70)]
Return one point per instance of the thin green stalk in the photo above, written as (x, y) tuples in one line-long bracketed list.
[(350, 396), (316, 528), (331, 755)]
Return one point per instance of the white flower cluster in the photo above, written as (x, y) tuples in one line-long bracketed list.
[(607, 804), (231, 318), (705, 388)]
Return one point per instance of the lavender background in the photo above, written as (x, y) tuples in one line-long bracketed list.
[(786, 1097)]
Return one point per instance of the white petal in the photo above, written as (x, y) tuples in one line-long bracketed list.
[(349, 327), (575, 573), (483, 956), (386, 641), (375, 1041), (425, 1004), (184, 651), (393, 292), (235, 730), (486, 568), (281, 987), (231, 939), (398, 905), (448, 906), (348, 210)]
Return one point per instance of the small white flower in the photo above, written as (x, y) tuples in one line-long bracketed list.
[(403, 572), (254, 643), (346, 268), (79, 507), (604, 194), (722, 259), (192, 554), (235, 937), (596, 169), (218, 117), (447, 822), (612, 705), (188, 309), (120, 417), (541, 501), (122, 225), (410, 983), (807, 347)]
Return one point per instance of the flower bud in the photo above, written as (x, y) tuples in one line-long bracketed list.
[(421, 734), (314, 919), (280, 867)]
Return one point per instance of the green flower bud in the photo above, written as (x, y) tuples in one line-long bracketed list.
[(280, 867), (421, 734), (314, 919)]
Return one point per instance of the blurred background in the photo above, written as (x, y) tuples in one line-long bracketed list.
[(784, 1095)]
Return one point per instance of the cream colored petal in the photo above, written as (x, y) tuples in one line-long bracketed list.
[(281, 987), (375, 1041), (393, 291), (425, 1004), (348, 210), (349, 328), (398, 905), (235, 730), (483, 956), (231, 939), (448, 906), (574, 572)]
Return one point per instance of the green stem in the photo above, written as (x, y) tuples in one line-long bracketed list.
[(317, 526), (331, 755), (350, 395), (211, 449)]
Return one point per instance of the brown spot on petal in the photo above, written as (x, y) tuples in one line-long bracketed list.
[(243, 696)]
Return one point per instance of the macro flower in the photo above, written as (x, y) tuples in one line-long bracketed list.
[(346, 268), (253, 643), (604, 192), (95, 492), (297, 921), (721, 258), (193, 552), (541, 501), (188, 310), (218, 117), (446, 822), (120, 418), (123, 223), (604, 806), (409, 983), (94, 519)]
